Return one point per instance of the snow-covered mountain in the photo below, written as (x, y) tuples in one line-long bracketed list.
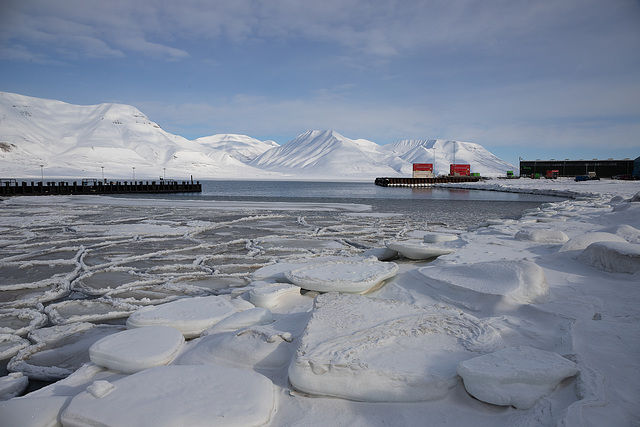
[(119, 141), (327, 154)]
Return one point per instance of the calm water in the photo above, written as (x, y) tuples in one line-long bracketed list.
[(453, 207)]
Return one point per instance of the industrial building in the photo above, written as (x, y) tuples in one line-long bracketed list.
[(600, 168)]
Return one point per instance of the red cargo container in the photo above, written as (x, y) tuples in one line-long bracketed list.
[(422, 170), (459, 170)]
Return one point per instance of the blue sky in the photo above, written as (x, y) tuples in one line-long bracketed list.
[(537, 79)]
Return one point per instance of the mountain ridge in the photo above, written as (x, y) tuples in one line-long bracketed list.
[(72, 141)]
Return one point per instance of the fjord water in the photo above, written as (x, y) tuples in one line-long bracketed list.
[(449, 206)]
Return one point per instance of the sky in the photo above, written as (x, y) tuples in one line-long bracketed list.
[(523, 78)]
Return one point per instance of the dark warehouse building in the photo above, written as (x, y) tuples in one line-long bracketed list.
[(601, 168)]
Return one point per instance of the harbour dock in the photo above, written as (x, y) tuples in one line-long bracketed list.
[(11, 187), (423, 182)]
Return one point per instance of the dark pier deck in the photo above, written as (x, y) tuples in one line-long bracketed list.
[(11, 187), (423, 182)]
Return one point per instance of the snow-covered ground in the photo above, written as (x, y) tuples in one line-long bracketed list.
[(151, 314)]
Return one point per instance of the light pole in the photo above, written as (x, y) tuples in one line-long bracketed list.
[(134, 172), (164, 174), (102, 167), (42, 173)]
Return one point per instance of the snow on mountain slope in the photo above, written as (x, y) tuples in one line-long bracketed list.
[(241, 147), (327, 154), (119, 141), (82, 139), (441, 152)]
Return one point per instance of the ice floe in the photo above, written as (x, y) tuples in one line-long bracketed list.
[(439, 237), (483, 284), (614, 257), (13, 385), (21, 322), (343, 276), (191, 316), (272, 295), (580, 242), (377, 350), (59, 350), (263, 348), (417, 250), (175, 395), (137, 349), (90, 310), (240, 320), (10, 345), (516, 376)]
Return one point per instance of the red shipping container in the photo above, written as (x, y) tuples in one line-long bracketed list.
[(461, 170), (422, 170), (423, 167)]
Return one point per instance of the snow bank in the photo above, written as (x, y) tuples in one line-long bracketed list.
[(190, 316), (417, 251), (176, 395), (516, 376), (377, 350), (343, 276), (474, 285), (614, 257), (137, 349), (542, 236)]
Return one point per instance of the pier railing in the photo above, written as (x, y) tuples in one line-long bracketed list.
[(11, 187)]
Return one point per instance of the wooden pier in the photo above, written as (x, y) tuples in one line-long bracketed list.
[(11, 187), (423, 182)]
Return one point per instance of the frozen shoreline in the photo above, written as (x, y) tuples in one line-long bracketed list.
[(587, 314)]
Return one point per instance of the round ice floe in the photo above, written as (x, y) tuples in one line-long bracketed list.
[(59, 351), (12, 385), (614, 257), (190, 316), (380, 350), (580, 242), (137, 349), (343, 276), (516, 376), (176, 395), (20, 322), (11, 344), (542, 236), (439, 237), (521, 281), (271, 295), (413, 250), (93, 310)]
